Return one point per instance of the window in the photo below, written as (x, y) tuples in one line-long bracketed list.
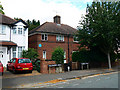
[(44, 37), (60, 38), (75, 38), (14, 31), (24, 61), (3, 29), (14, 52), (19, 30), (64, 55), (19, 52), (14, 60), (24, 31), (44, 54)]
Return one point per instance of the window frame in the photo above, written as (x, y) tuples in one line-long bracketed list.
[(44, 54), (14, 52), (20, 31), (75, 37), (60, 38), (44, 37), (2, 31), (19, 52), (14, 30)]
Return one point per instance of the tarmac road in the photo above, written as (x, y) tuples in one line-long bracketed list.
[(100, 81), (15, 80)]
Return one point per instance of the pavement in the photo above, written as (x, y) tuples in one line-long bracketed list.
[(41, 79)]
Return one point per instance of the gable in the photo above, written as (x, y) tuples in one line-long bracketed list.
[(21, 22)]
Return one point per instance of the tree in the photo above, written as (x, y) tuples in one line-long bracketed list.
[(1, 9), (101, 28), (31, 53), (32, 24), (58, 55)]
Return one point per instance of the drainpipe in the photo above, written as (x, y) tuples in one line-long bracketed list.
[(68, 49), (68, 54), (10, 33), (10, 46)]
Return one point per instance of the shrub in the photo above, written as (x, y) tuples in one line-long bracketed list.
[(31, 53), (94, 55), (58, 55)]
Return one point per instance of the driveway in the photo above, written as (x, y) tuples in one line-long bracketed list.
[(8, 74)]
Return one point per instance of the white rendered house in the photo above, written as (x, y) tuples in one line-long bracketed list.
[(13, 38)]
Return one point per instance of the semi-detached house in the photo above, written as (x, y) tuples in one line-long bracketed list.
[(48, 36), (13, 38)]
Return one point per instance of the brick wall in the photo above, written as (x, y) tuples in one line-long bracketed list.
[(44, 67), (51, 44)]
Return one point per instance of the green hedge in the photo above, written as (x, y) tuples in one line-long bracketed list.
[(93, 55)]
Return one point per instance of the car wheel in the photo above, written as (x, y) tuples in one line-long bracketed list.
[(30, 71), (7, 68), (14, 71)]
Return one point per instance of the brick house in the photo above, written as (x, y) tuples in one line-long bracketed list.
[(48, 36)]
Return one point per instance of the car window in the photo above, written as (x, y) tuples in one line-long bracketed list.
[(11, 60), (14, 60), (24, 61)]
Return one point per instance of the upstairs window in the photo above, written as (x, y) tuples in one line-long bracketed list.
[(44, 37), (19, 30), (60, 38), (14, 31), (2, 29), (75, 39)]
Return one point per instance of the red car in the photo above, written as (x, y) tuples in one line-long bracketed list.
[(1, 68), (20, 64)]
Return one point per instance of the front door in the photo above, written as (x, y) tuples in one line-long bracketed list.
[(3, 55)]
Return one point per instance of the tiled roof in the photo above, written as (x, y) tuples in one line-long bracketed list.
[(6, 20), (7, 43), (50, 27)]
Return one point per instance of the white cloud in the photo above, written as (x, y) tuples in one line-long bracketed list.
[(44, 11)]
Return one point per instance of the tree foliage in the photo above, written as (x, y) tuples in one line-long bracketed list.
[(100, 27), (1, 9), (89, 56), (58, 55), (31, 53), (32, 24)]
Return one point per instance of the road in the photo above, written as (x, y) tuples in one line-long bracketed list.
[(37, 80), (99, 81)]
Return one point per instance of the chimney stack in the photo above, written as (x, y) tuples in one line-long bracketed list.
[(57, 19)]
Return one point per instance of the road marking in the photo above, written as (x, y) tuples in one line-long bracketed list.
[(97, 79), (75, 84)]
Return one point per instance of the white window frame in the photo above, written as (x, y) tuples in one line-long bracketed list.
[(20, 30), (44, 54), (74, 39), (14, 52), (2, 29), (14, 30), (19, 52), (60, 38), (44, 37), (64, 54), (24, 31)]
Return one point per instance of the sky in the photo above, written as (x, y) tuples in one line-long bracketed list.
[(70, 11)]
